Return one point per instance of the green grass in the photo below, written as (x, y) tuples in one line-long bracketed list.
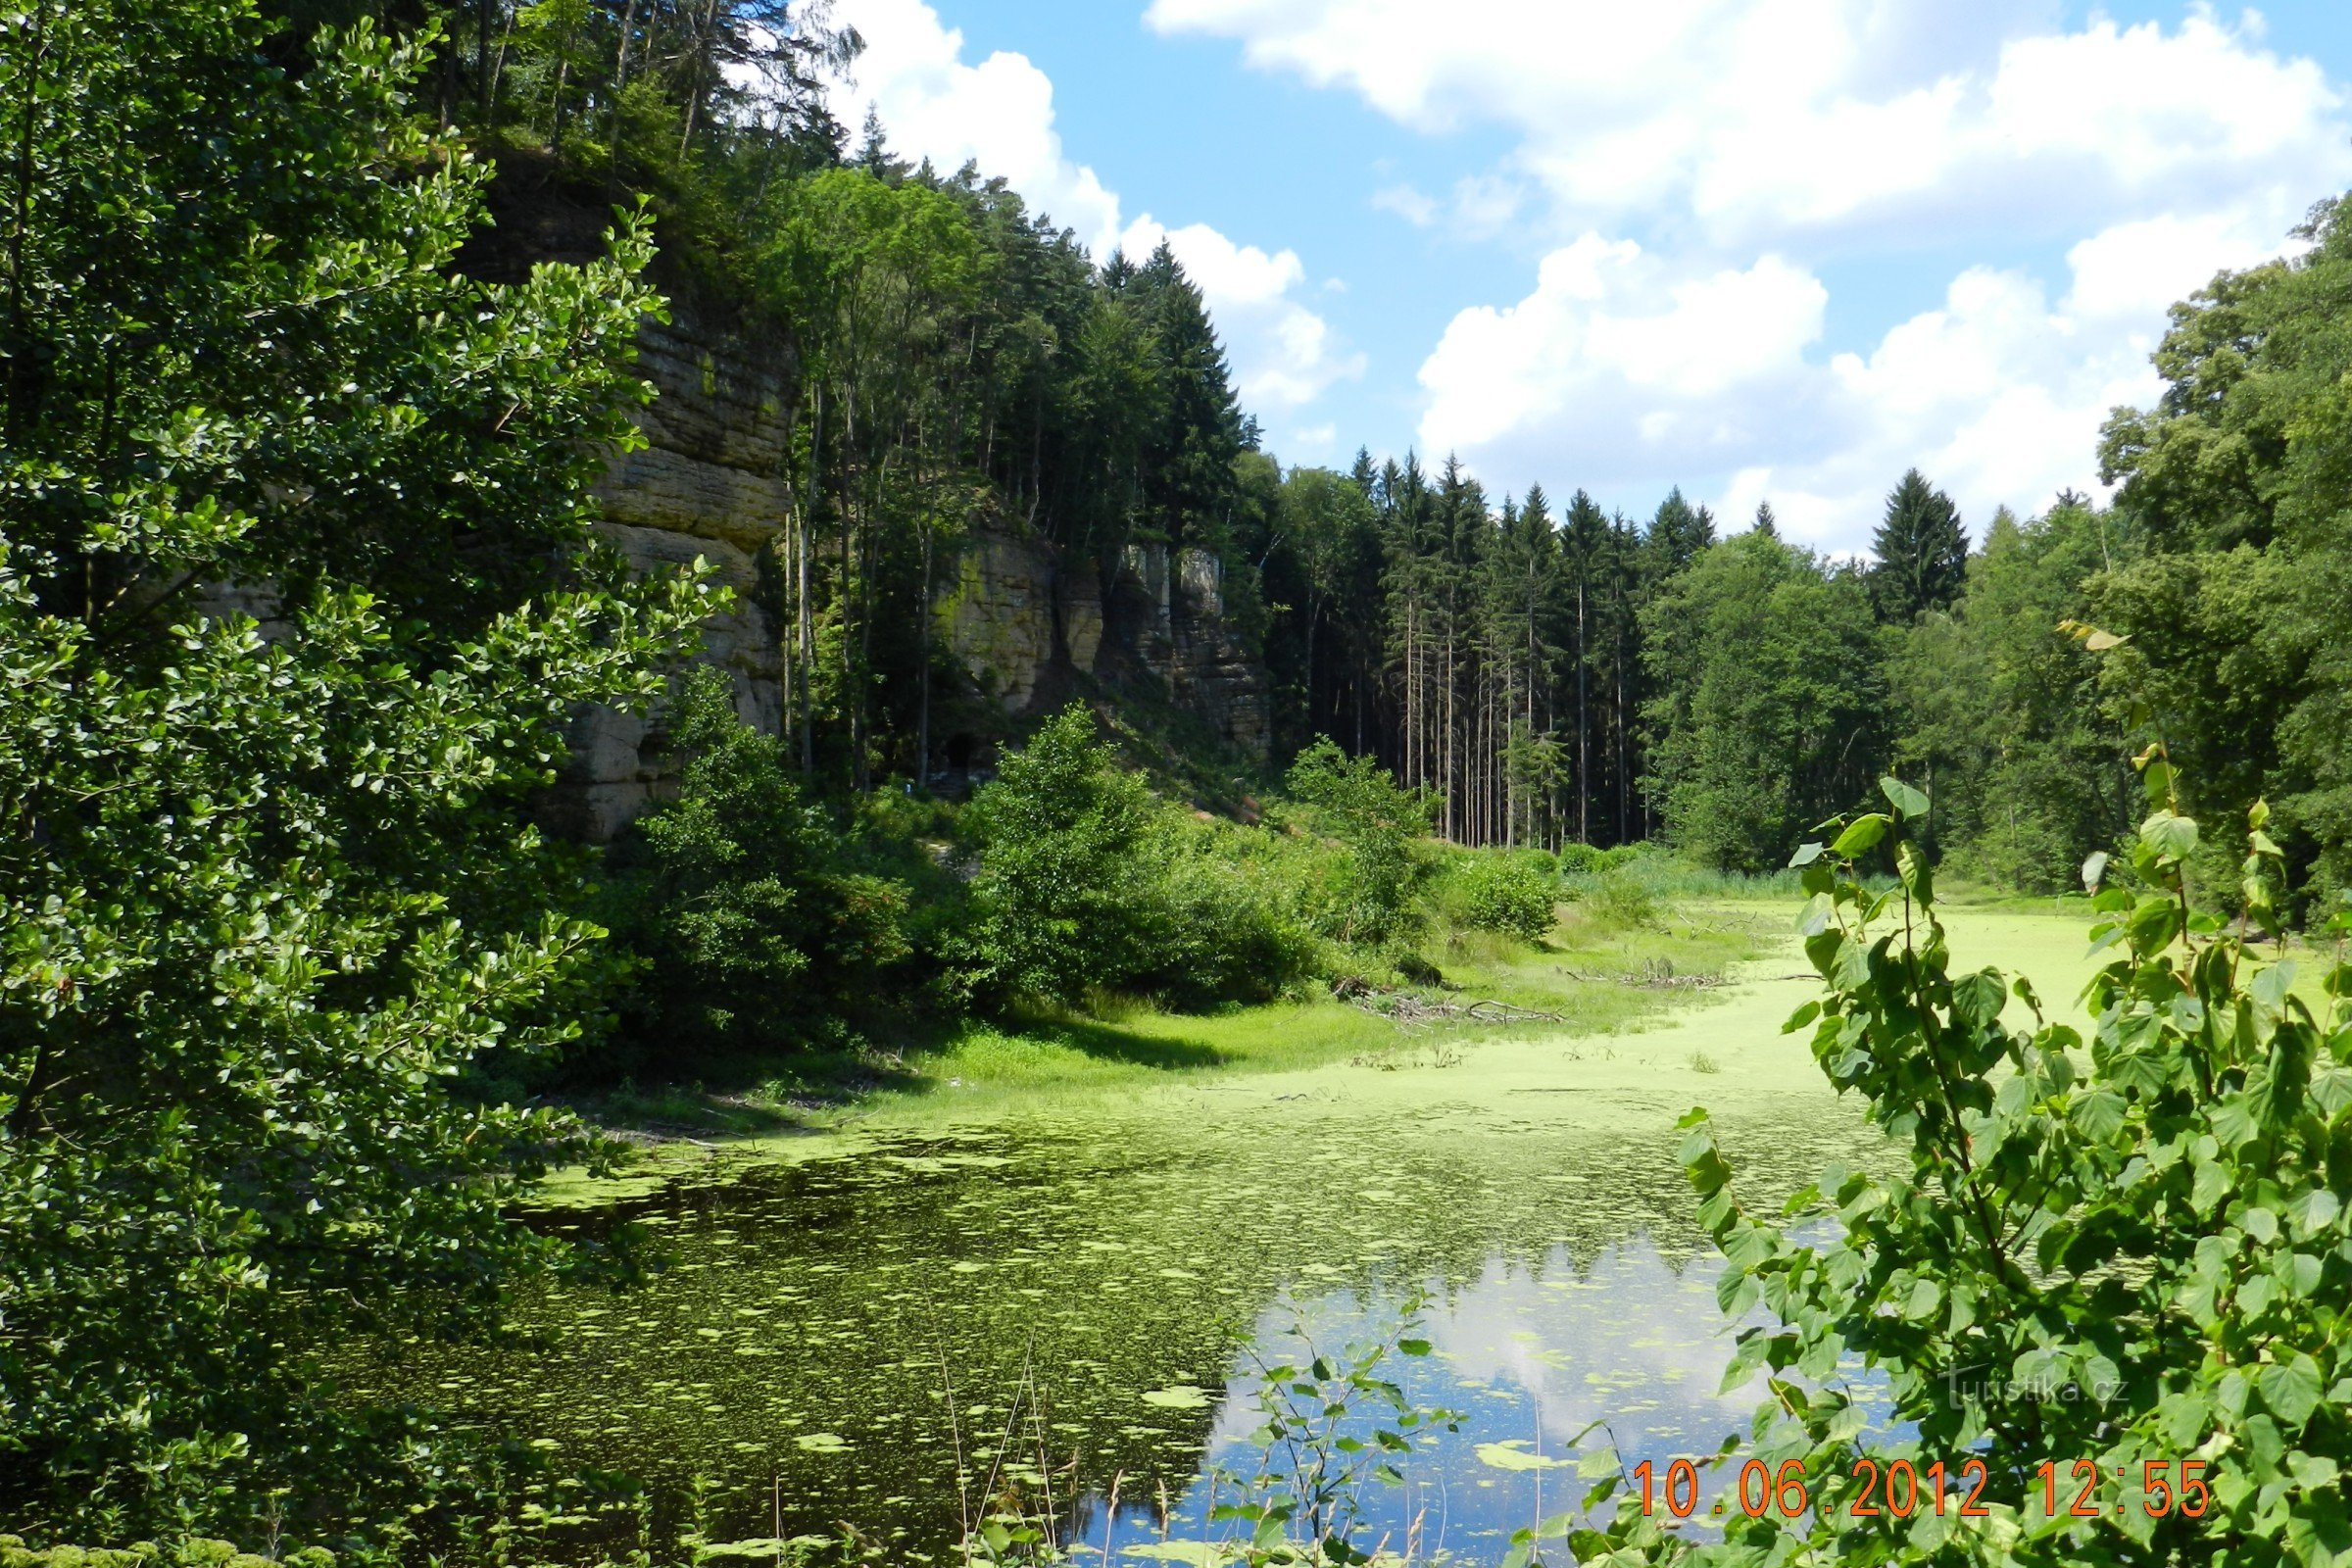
[(1590, 975)]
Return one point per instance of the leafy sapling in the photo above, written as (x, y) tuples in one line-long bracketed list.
[(2108, 1268)]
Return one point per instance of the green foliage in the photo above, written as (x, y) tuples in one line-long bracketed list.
[(1677, 535), (1580, 860), (1771, 692), (1357, 802), (263, 894), (755, 928), (1331, 1425), (2241, 609), (1086, 884), (2001, 714), (1621, 895), (1225, 916), (2125, 1251), (1922, 552), (1493, 889), (183, 1552), (1062, 833)]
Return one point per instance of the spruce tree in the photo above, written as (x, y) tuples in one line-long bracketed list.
[(1766, 524), (1922, 550), (1676, 535), (1190, 485)]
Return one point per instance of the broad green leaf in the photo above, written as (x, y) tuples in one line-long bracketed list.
[(2169, 835), (2290, 1390), (1860, 835), (1907, 802)]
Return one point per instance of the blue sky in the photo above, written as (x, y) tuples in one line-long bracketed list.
[(1770, 249)]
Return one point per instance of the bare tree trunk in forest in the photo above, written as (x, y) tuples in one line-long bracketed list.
[(1311, 614), (852, 696), (620, 82), (807, 614), (1357, 681), (697, 80), (791, 611), (1625, 784), (498, 67), (922, 711), (1584, 725), (1412, 674), (1446, 752), (1534, 831), (482, 12)]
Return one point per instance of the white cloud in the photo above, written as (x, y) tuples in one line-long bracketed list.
[(999, 115), (2138, 268), (1762, 118), (999, 112), (1625, 372), (1744, 144), (1309, 443), (1284, 354), (1614, 356), (1408, 202)]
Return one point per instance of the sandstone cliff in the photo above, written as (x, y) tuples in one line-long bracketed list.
[(1017, 622)]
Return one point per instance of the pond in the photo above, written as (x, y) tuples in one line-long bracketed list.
[(876, 1332)]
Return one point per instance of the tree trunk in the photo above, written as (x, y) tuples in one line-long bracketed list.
[(483, 11)]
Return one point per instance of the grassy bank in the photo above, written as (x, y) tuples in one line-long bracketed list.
[(1593, 973)]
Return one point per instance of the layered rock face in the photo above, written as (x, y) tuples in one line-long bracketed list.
[(1016, 615), (1010, 615), (704, 485), (1212, 672)]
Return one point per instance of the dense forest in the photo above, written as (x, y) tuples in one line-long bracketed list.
[(1544, 671), (286, 956)]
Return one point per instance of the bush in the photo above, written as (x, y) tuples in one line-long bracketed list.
[(1061, 831), (752, 927), (1580, 861), (1496, 890), (1620, 896), (1225, 925), (1371, 902), (2125, 1253)]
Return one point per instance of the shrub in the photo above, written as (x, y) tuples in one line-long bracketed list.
[(1580, 861), (753, 929), (2121, 1254), (1355, 800), (1223, 925), (1620, 896), (1060, 831), (1494, 890)]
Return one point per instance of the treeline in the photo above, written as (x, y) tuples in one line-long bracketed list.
[(1546, 672)]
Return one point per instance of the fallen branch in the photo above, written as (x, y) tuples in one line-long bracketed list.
[(1656, 974), (1409, 1011)]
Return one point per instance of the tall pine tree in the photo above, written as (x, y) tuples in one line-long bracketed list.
[(1922, 550), (1676, 536)]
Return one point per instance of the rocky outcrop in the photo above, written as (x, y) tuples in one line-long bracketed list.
[(1016, 614), (705, 484), (1012, 616), (1212, 673), (1169, 615)]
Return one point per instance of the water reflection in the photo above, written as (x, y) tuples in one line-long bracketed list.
[(1542, 1361), (888, 1338)]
